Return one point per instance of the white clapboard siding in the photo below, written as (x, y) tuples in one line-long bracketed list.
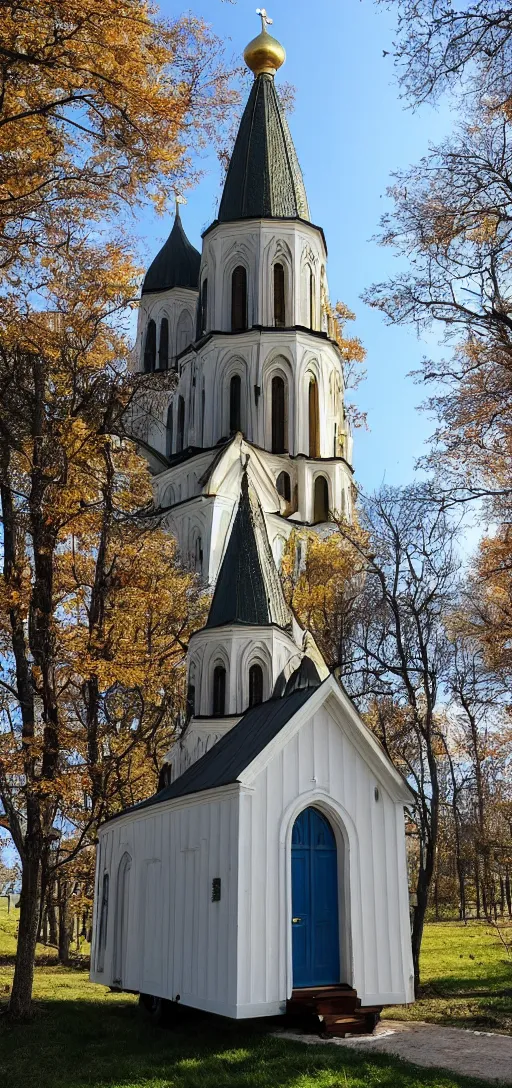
[(320, 765), (178, 941), (235, 957)]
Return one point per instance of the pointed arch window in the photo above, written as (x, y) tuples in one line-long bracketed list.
[(279, 420), (102, 937), (168, 432), (202, 323), (180, 437), (150, 348), (279, 299), (284, 486), (163, 345), (122, 917), (312, 300), (235, 404), (239, 299), (255, 685), (321, 503), (219, 691), (314, 419), (198, 555)]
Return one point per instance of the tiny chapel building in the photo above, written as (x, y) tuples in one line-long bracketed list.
[(269, 871)]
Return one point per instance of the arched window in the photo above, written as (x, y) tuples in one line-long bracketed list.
[(150, 348), (163, 346), (202, 324), (181, 425), (239, 299), (122, 913), (312, 300), (198, 555), (279, 303), (183, 332), (255, 685), (284, 486), (168, 432), (219, 691), (321, 505), (314, 419), (102, 936), (279, 442), (191, 700), (235, 404)]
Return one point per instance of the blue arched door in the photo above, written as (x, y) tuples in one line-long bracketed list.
[(315, 922)]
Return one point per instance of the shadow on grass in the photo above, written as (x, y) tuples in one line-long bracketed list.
[(110, 1044)]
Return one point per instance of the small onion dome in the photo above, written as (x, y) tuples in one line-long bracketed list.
[(177, 264), (264, 53)]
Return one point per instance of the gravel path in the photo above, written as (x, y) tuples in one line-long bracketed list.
[(470, 1053)]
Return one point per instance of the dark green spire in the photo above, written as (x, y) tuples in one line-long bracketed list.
[(248, 589), (264, 179)]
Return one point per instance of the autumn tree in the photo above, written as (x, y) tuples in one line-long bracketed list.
[(95, 613), (101, 105)]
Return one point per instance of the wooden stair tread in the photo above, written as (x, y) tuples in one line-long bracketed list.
[(337, 1010)]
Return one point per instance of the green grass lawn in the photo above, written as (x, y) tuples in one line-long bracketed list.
[(466, 979), (82, 1036)]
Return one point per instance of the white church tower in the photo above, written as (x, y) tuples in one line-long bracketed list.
[(247, 327), (268, 873)]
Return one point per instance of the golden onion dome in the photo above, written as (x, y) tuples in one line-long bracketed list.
[(264, 53)]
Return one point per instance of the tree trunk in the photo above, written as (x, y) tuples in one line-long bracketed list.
[(65, 923), (508, 894), (21, 995), (52, 916), (477, 888)]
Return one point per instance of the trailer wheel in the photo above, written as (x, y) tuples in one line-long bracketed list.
[(157, 1009)]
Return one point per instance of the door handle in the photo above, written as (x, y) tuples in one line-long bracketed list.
[(295, 920)]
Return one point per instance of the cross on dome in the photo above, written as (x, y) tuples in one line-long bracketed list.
[(265, 19)]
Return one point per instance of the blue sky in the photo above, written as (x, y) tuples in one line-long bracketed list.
[(351, 131)]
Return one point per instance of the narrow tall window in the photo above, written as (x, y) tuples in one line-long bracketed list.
[(198, 555), (219, 691), (314, 419), (235, 401), (191, 701), (312, 300), (321, 506), (163, 347), (279, 305), (239, 299), (168, 432), (203, 407), (284, 487), (150, 348), (102, 936), (180, 438), (255, 685), (279, 443), (203, 322)]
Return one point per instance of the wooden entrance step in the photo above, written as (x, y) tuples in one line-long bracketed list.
[(331, 1010)]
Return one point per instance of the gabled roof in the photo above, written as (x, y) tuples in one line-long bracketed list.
[(264, 179), (248, 589), (229, 756), (176, 265)]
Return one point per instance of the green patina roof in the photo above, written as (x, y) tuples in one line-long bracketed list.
[(264, 179), (177, 264)]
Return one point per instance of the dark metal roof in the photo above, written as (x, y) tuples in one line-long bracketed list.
[(306, 676), (248, 588), (177, 264), (264, 179), (223, 764)]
